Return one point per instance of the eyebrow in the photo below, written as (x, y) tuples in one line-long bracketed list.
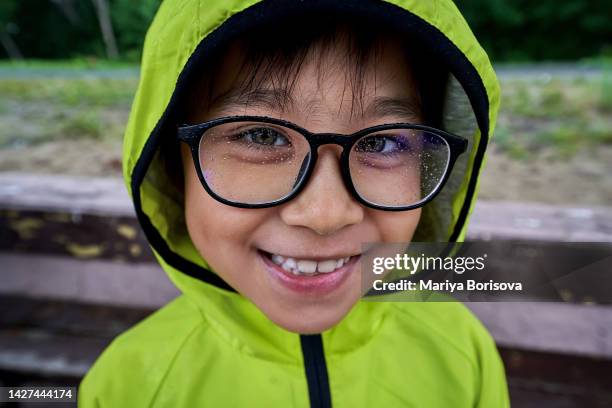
[(387, 106), (281, 100), (274, 99)]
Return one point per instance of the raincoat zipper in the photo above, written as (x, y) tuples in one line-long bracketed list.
[(316, 370)]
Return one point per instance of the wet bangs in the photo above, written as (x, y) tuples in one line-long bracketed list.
[(272, 57)]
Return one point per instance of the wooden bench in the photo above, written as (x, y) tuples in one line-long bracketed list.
[(76, 271)]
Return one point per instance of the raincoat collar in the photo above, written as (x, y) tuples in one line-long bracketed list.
[(242, 325)]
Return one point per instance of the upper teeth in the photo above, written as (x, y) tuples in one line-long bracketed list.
[(305, 266)]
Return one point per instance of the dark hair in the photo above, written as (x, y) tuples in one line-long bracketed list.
[(276, 53)]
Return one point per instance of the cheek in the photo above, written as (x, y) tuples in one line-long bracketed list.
[(395, 226), (204, 215), (219, 232)]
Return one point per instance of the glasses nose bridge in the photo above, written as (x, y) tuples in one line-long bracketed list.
[(345, 141), (320, 139)]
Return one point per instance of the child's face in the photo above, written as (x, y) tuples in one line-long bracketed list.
[(324, 222)]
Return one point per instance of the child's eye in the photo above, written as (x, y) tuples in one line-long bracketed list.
[(263, 136), (381, 144)]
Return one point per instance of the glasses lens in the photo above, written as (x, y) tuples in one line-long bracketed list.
[(398, 167), (253, 162)]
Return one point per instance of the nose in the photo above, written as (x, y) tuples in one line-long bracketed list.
[(324, 205)]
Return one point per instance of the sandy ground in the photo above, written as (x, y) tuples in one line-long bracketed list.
[(583, 179), (75, 157)]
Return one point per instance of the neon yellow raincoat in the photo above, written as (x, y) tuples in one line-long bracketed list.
[(211, 347)]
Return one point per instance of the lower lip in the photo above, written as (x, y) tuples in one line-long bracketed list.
[(318, 284)]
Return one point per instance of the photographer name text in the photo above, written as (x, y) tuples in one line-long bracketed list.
[(446, 286)]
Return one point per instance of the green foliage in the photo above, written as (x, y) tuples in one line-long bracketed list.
[(70, 28), (509, 143), (131, 20), (525, 30), (44, 30), (7, 13), (84, 125), (510, 30), (606, 90)]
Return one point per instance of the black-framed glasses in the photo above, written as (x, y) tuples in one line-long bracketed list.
[(258, 161)]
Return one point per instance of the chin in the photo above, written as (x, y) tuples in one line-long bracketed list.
[(307, 320)]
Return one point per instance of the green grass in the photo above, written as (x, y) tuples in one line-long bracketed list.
[(84, 125), (76, 64), (600, 61), (564, 115), (511, 145), (101, 92), (606, 91), (37, 110)]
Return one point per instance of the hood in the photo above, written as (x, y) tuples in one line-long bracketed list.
[(186, 33)]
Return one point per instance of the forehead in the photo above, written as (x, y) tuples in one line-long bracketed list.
[(327, 78)]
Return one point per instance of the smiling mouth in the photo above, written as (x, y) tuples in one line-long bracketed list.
[(307, 267)]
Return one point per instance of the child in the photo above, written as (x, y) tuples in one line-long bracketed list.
[(268, 142)]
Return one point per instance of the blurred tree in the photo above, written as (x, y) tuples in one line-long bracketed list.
[(49, 29), (516, 30), (7, 27), (67, 7), (132, 19), (106, 26)]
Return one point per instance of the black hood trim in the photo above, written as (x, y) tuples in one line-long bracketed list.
[(268, 11)]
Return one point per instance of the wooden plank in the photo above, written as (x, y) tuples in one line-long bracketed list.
[(77, 235), (91, 281), (547, 380), (583, 330), (499, 220), (536, 370), (52, 338), (64, 194), (68, 317), (48, 355)]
